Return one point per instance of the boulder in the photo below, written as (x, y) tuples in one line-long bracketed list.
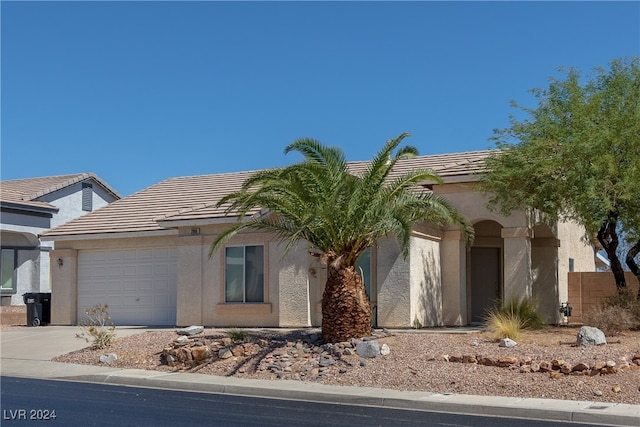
[(507, 342), (385, 350), (190, 330), (368, 349), (225, 353), (588, 335), (108, 358)]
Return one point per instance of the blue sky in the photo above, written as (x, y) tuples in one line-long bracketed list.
[(138, 92)]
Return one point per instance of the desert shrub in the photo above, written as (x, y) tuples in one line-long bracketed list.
[(504, 325), (236, 334), (626, 299), (526, 309), (610, 319), (95, 328)]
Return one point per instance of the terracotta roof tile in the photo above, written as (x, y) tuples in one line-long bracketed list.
[(193, 198)]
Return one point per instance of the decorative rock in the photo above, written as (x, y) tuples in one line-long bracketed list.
[(347, 352), (566, 368), (385, 350), (200, 353), (456, 357), (610, 363), (469, 358), (368, 349), (597, 392), (546, 366), (555, 375), (474, 343), (615, 388), (225, 353), (535, 367), (190, 330), (507, 342), (363, 363), (580, 367), (507, 361), (525, 369), (108, 358), (182, 339), (487, 361), (589, 335)]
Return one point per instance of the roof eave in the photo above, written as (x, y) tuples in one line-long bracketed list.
[(115, 235), (28, 207)]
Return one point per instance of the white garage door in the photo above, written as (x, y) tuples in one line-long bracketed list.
[(139, 286)]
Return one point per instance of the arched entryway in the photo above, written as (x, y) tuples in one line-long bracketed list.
[(485, 270)]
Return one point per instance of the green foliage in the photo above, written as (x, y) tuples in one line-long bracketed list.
[(507, 319), (504, 325), (236, 334), (416, 323), (340, 210), (95, 328), (526, 309), (576, 156)]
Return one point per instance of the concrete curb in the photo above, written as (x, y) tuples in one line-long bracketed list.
[(596, 413)]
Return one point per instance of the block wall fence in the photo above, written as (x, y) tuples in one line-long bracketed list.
[(589, 290)]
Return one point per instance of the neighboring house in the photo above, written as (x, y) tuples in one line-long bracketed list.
[(31, 206), (146, 256)]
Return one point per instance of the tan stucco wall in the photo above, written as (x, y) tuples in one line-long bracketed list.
[(215, 312), (426, 281), (394, 292), (293, 286), (573, 246), (454, 279), (64, 290)]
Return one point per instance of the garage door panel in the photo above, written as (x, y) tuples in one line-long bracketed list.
[(138, 285)]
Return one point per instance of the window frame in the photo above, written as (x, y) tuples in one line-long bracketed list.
[(14, 271), (244, 274)]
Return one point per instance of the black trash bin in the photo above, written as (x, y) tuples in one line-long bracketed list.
[(38, 308)]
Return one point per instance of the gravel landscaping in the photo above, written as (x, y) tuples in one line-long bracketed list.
[(426, 360)]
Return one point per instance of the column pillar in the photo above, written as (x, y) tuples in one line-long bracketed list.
[(190, 303), (64, 286), (517, 263), (453, 261)]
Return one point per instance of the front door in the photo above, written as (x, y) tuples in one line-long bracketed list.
[(486, 281)]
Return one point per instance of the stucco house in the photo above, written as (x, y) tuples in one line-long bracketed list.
[(29, 207), (146, 256)]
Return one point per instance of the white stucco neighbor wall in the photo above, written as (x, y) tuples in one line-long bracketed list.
[(69, 202)]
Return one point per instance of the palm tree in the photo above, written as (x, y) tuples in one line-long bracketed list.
[(340, 214)]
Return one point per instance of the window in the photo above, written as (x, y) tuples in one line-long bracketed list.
[(7, 271), (244, 274), (363, 266), (571, 265), (87, 197)]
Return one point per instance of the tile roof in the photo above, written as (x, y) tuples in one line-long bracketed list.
[(193, 198), (25, 192)]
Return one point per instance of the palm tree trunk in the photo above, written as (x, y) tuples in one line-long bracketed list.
[(346, 311)]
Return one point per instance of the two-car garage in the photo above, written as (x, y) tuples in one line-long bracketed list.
[(138, 285)]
